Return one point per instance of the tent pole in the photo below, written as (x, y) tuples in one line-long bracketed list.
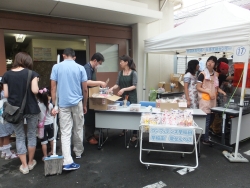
[(241, 107), (237, 157), (144, 76)]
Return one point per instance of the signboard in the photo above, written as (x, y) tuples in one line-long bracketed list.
[(171, 135), (241, 54), (210, 50), (42, 54)]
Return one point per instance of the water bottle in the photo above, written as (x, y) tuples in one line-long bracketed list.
[(40, 130)]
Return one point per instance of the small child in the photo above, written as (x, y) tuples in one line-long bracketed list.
[(46, 107)]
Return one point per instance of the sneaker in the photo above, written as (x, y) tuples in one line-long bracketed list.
[(206, 142), (72, 166), (78, 156), (24, 170), (32, 165)]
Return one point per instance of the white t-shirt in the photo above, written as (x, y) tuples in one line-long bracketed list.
[(49, 118)]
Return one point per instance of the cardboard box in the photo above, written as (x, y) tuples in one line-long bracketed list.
[(178, 80), (167, 87), (100, 103), (169, 106), (161, 84)]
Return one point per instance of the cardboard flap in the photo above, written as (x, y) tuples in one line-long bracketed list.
[(93, 90), (113, 98)]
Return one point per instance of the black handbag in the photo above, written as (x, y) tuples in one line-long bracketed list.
[(14, 114)]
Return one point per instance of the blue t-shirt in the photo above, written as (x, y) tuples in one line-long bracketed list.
[(69, 77)]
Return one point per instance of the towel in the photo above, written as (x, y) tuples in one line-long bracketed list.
[(207, 77)]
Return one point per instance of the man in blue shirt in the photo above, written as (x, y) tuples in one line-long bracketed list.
[(90, 67), (69, 79)]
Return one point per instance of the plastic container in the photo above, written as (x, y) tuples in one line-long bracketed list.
[(234, 102), (238, 69), (113, 106), (134, 107)]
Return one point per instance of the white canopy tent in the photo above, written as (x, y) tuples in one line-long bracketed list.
[(219, 29)]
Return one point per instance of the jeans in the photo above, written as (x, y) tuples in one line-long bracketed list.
[(32, 121), (209, 120), (71, 118)]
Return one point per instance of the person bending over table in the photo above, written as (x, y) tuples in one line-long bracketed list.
[(96, 60), (127, 81)]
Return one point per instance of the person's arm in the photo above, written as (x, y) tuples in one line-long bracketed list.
[(53, 91), (5, 90), (117, 83), (34, 85), (85, 96), (92, 83), (221, 91), (186, 84), (230, 78)]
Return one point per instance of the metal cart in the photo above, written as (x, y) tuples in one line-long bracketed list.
[(172, 135)]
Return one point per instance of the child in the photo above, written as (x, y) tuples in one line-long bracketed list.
[(46, 107), (6, 129)]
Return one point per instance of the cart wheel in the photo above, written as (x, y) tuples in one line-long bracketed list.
[(147, 166), (99, 147), (127, 147), (182, 155), (148, 152), (136, 146), (163, 148)]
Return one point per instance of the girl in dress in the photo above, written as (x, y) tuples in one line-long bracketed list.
[(45, 115)]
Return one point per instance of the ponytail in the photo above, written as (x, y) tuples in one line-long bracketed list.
[(130, 61)]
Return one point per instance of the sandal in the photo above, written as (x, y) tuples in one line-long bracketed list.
[(134, 138), (12, 156), (123, 133)]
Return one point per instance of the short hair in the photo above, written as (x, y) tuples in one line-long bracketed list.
[(98, 57), (69, 52), (22, 59), (214, 59)]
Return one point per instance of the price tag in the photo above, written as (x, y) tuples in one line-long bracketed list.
[(241, 54), (182, 104)]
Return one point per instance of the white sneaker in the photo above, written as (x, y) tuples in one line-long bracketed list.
[(24, 170), (78, 157), (32, 165)]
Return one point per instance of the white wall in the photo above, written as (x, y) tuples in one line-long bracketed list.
[(159, 67), (57, 44)]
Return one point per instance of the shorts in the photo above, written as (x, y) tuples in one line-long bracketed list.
[(48, 134)]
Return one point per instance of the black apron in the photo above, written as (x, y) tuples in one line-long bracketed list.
[(127, 81)]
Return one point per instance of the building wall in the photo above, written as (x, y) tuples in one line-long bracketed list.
[(158, 67)]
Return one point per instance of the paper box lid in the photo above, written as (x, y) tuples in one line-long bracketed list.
[(94, 90)]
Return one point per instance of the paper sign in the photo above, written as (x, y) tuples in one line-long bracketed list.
[(182, 104), (241, 54), (210, 49), (174, 135)]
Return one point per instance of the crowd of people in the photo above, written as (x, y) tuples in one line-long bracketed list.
[(69, 84), (202, 84)]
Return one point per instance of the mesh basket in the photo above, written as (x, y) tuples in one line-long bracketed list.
[(234, 102)]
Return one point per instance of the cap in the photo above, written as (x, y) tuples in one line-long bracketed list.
[(224, 66)]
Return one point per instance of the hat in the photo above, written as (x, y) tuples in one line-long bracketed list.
[(224, 66)]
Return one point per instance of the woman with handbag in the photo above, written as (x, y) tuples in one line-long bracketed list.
[(20, 87), (46, 121)]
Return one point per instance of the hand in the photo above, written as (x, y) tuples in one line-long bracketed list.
[(120, 92), (103, 84), (54, 111), (212, 96), (111, 90), (224, 93), (188, 103), (84, 109)]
